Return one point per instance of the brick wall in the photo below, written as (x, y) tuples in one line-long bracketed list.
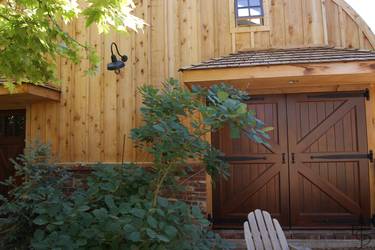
[(195, 184), (196, 189)]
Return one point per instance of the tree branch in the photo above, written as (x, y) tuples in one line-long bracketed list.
[(4, 17)]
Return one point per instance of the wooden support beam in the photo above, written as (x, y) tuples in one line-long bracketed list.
[(28, 93), (315, 74)]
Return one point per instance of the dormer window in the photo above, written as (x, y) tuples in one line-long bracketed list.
[(249, 12)]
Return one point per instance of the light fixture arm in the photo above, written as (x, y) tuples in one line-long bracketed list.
[(124, 58), (113, 44), (116, 64)]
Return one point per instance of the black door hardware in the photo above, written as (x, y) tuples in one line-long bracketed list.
[(369, 156), (242, 158)]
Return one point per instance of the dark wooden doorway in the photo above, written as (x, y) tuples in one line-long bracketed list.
[(12, 141), (316, 173), (258, 175)]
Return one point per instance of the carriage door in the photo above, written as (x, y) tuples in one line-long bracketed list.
[(328, 157), (315, 175), (258, 175)]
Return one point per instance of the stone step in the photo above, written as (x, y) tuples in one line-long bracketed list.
[(319, 244), (310, 234)]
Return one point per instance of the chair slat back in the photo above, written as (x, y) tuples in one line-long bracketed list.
[(248, 236), (264, 233), (281, 235), (263, 230), (271, 230), (255, 232)]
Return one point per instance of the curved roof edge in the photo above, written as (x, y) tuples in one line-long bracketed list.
[(358, 20)]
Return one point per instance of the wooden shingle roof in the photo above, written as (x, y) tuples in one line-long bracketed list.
[(285, 56)]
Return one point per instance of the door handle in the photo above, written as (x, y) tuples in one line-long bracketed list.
[(293, 158), (283, 158)]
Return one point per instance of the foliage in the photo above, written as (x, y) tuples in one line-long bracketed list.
[(114, 211), (176, 121), (122, 207), (33, 33), (39, 184)]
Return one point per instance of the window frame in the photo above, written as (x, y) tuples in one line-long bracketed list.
[(235, 28), (249, 7)]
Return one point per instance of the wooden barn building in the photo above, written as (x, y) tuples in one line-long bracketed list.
[(308, 64)]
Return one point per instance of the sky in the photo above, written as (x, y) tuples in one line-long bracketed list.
[(366, 9)]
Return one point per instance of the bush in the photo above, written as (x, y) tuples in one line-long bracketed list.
[(113, 211), (177, 122), (121, 207)]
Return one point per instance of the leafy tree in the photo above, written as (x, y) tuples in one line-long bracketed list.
[(176, 121), (32, 34)]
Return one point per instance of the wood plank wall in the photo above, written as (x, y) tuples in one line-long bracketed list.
[(96, 113)]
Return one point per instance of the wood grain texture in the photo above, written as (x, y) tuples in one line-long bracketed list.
[(95, 113)]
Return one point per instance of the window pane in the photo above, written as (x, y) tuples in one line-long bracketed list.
[(243, 12), (254, 2), (257, 21), (12, 124), (242, 3), (250, 21), (255, 11)]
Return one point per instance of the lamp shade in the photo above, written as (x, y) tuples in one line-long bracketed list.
[(115, 65)]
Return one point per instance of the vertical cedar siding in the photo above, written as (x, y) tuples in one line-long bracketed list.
[(95, 113)]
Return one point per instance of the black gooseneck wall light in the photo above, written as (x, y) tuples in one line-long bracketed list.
[(116, 65)]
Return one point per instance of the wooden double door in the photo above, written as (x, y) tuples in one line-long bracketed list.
[(314, 175)]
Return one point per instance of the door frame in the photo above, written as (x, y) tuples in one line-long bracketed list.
[(370, 119)]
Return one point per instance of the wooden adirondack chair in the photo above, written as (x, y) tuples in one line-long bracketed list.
[(264, 233)]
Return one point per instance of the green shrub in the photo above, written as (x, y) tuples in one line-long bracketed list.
[(177, 121), (121, 207), (113, 210)]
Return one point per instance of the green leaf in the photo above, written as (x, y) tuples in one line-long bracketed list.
[(242, 109), (235, 132), (163, 202), (163, 238), (83, 208), (171, 231), (128, 228), (152, 222), (196, 212), (11, 87), (223, 96), (140, 213), (40, 220), (108, 199), (134, 236), (266, 129), (151, 233), (159, 128)]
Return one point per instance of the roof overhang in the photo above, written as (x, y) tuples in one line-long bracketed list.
[(285, 76), (27, 93)]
